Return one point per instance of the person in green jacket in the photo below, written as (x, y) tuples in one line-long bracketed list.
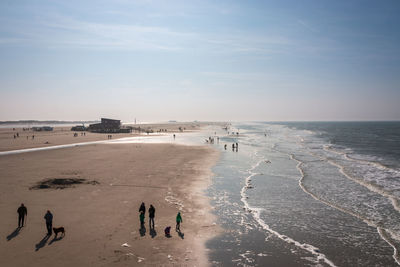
[(178, 222), (141, 216)]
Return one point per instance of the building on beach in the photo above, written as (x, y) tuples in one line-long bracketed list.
[(108, 126), (79, 128), (43, 128)]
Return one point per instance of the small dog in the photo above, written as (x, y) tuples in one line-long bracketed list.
[(167, 231), (59, 230)]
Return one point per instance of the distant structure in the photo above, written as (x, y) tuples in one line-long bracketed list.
[(43, 128), (108, 126), (78, 128)]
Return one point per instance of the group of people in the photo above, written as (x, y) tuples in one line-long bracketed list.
[(152, 212), (211, 140), (235, 147), (82, 134), (23, 212), (16, 135)]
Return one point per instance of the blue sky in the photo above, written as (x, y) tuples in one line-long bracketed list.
[(200, 60)]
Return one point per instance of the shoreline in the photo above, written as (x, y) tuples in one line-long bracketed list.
[(182, 173)]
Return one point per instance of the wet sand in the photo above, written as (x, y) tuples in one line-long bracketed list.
[(99, 218)]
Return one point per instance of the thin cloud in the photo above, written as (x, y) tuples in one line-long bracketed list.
[(60, 31), (307, 25)]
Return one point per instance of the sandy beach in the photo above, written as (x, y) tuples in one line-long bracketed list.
[(99, 217), (63, 135)]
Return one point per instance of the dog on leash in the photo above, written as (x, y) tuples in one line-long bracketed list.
[(59, 230)]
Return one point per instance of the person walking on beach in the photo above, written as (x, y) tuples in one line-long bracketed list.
[(49, 221), (178, 222), (152, 212), (22, 212)]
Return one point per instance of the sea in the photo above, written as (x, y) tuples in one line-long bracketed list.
[(307, 194)]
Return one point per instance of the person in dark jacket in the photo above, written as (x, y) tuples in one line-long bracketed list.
[(142, 208), (49, 222), (152, 212), (22, 212), (141, 217)]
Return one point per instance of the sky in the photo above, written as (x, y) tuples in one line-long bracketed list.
[(200, 60)]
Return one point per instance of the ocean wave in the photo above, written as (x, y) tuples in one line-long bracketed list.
[(385, 234), (256, 213)]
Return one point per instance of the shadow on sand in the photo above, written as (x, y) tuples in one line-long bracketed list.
[(181, 235), (153, 232), (55, 239), (13, 234), (42, 242), (142, 231)]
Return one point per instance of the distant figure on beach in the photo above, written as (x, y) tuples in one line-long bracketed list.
[(22, 212), (178, 222), (49, 222), (152, 212), (174, 136), (17, 134), (233, 147), (33, 137), (225, 146), (141, 217), (237, 147)]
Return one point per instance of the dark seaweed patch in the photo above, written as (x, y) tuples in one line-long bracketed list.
[(61, 183)]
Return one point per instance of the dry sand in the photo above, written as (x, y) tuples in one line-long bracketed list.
[(60, 136), (100, 218)]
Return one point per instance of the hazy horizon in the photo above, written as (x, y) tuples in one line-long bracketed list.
[(199, 60)]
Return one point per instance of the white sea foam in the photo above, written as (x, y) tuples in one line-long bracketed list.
[(256, 213), (385, 234)]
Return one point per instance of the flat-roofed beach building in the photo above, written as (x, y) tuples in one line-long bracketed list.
[(108, 126)]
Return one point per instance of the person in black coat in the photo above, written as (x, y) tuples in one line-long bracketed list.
[(152, 212), (22, 212), (49, 222)]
